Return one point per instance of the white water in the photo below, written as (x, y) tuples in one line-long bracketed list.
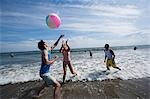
[(133, 64)]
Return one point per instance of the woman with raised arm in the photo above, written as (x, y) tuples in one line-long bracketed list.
[(65, 50)]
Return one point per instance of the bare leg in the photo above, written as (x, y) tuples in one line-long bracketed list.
[(71, 68), (65, 70), (114, 66), (107, 67), (57, 90), (41, 89), (117, 68)]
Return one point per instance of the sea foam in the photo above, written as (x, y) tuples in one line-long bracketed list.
[(133, 64)]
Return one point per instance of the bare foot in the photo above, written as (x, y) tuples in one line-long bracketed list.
[(36, 96)]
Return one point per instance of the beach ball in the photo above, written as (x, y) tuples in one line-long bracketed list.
[(53, 20)]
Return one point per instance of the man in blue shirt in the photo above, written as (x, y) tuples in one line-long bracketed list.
[(47, 62)]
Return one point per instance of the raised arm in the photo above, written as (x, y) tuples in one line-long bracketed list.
[(60, 50), (67, 45), (56, 43)]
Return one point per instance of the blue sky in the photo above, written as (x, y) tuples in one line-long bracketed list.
[(86, 23)]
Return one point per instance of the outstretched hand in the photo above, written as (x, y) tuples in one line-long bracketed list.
[(66, 41), (62, 41), (61, 36)]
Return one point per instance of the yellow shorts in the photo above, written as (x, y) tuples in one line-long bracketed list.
[(110, 62)]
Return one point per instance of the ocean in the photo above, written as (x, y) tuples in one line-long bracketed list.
[(25, 66)]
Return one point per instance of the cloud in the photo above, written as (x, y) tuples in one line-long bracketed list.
[(82, 17), (87, 41), (88, 23), (122, 11), (101, 18), (28, 45), (21, 19), (141, 37), (82, 41), (19, 46), (120, 28)]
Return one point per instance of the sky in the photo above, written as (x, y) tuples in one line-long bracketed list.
[(85, 23)]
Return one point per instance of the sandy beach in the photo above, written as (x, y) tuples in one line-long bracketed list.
[(108, 89), (106, 43)]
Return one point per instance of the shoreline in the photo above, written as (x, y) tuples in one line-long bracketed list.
[(110, 88)]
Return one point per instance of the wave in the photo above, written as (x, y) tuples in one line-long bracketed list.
[(133, 64)]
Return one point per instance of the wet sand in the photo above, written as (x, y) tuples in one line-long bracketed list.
[(108, 89)]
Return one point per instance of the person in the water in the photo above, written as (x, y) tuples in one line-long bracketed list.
[(91, 55), (65, 50), (109, 57), (135, 48)]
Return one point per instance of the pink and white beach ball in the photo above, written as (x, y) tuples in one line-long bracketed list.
[(53, 20)]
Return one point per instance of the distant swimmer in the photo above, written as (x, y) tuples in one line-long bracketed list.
[(135, 48), (12, 54), (91, 54), (109, 57)]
